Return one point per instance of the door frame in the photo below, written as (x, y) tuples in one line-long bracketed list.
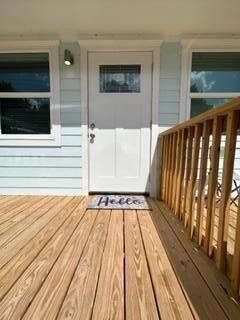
[(106, 45)]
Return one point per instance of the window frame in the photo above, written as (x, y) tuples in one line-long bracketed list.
[(54, 138), (201, 45)]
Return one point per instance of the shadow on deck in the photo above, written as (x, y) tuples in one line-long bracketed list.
[(61, 261)]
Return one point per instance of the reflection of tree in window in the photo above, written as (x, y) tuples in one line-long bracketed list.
[(25, 116), (194, 88), (199, 105), (6, 87)]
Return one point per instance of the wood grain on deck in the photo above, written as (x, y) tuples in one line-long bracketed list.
[(59, 260)]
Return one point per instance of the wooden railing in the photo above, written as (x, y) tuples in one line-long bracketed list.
[(197, 164)]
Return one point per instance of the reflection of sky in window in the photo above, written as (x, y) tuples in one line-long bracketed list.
[(215, 81), (24, 72), (215, 72), (26, 82)]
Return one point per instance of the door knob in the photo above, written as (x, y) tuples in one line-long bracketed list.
[(92, 126), (92, 136)]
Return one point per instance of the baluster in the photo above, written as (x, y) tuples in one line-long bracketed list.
[(163, 168), (212, 183), (188, 171), (174, 166), (230, 147), (235, 274), (193, 177), (168, 166), (202, 180), (176, 171)]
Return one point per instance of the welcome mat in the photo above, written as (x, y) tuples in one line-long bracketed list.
[(119, 202)]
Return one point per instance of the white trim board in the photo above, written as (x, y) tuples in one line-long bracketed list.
[(119, 45)]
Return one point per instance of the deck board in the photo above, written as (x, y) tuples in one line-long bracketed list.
[(12, 270), (111, 279), (140, 301), (49, 298), (30, 215), (62, 261), (79, 300), (8, 250), (11, 222), (171, 300), (18, 298), (11, 209)]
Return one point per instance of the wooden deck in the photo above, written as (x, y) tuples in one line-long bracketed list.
[(61, 261)]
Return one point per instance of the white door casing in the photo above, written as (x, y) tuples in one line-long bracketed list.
[(119, 154)]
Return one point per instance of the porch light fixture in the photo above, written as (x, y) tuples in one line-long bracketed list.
[(68, 58)]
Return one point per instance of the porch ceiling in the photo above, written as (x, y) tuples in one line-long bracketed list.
[(165, 17)]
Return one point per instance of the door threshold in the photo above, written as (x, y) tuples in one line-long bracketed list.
[(118, 193)]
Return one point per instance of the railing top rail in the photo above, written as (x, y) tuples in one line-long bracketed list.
[(233, 104)]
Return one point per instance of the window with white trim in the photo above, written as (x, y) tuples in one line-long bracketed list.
[(29, 97), (215, 78)]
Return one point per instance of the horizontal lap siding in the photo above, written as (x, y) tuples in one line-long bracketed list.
[(50, 170), (169, 94)]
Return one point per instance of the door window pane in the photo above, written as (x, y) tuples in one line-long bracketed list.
[(120, 78), (24, 72), (215, 72), (201, 105), (25, 115)]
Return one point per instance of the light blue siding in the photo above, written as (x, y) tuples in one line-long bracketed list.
[(44, 162), (33, 190), (169, 94), (68, 151), (29, 172), (50, 170), (22, 182)]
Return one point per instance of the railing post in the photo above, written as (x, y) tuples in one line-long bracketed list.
[(231, 136)]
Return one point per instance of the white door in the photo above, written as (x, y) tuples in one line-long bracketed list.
[(119, 121)]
